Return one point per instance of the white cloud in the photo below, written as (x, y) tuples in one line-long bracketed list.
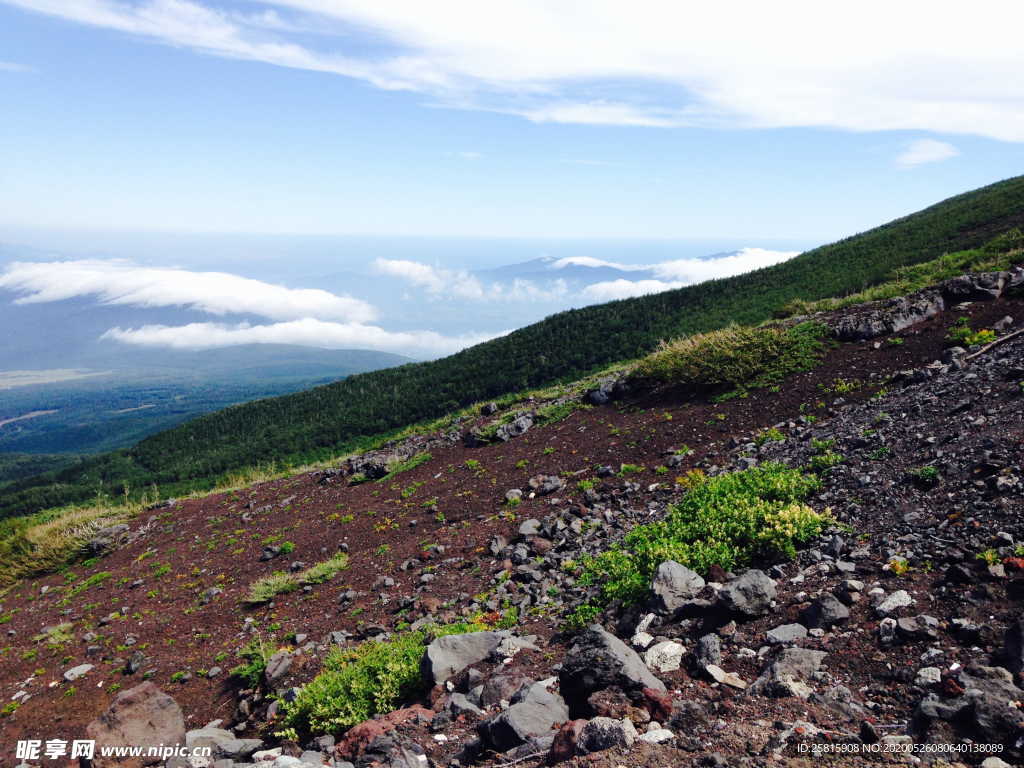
[(882, 66), (687, 271), (925, 151), (437, 281), (307, 332), (682, 272), (461, 284), (610, 290), (218, 293)]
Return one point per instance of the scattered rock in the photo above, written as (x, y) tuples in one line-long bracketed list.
[(750, 595), (140, 715)]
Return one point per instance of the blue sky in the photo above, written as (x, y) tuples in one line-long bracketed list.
[(383, 150), (140, 115)]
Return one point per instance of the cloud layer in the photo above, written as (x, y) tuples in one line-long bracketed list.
[(307, 332), (217, 293), (876, 66), (309, 317)]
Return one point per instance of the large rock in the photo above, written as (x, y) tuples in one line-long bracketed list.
[(788, 673), (750, 595), (223, 744), (983, 286), (534, 713), (514, 428), (878, 318), (1013, 646), (446, 656), (139, 716), (599, 660), (987, 711), (673, 585)]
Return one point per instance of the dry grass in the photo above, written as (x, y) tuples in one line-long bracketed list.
[(50, 540)]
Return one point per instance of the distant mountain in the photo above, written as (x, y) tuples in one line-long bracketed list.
[(340, 416)]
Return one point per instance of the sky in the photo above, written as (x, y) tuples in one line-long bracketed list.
[(758, 124)]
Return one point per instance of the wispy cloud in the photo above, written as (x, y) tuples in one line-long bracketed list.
[(218, 293), (10, 66), (307, 332), (460, 284), (654, 63), (925, 151)]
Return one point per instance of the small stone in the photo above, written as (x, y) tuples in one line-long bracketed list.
[(76, 672), (719, 675), (928, 676), (666, 656), (786, 633), (896, 601)]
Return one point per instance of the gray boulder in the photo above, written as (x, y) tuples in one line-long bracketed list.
[(788, 672), (750, 595), (223, 744), (446, 656), (277, 667), (673, 585), (825, 612), (140, 715), (599, 660), (878, 318), (534, 712), (786, 634), (514, 428)]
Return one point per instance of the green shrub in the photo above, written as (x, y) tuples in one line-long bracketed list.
[(824, 461), (737, 358), (729, 520), (255, 655), (358, 683), (960, 333), (770, 435)]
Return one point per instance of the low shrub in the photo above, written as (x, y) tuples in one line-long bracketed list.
[(729, 520), (736, 358), (358, 683)]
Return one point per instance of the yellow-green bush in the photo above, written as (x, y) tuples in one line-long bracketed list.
[(729, 520)]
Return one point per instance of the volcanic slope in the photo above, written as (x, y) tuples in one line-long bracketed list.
[(902, 605)]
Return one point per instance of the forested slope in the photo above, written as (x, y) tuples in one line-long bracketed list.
[(312, 423)]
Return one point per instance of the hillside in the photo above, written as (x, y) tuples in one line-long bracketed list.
[(816, 539), (338, 417)]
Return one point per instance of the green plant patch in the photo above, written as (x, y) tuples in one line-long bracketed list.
[(280, 583), (729, 520), (358, 683), (737, 358)]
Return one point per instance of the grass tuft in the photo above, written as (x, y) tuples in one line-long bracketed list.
[(281, 583)]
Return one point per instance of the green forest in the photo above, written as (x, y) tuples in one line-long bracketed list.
[(342, 415)]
